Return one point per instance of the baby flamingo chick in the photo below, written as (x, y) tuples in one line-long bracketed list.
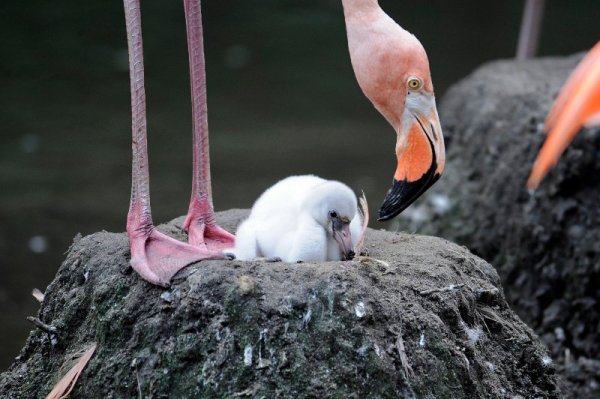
[(301, 218)]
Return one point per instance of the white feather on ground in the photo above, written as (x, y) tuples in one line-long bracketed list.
[(293, 220)]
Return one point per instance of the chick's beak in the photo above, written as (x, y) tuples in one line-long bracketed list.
[(420, 153), (341, 234)]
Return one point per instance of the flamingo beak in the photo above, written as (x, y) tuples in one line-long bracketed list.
[(421, 156), (341, 234), (577, 105)]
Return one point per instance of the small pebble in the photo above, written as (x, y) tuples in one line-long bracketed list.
[(166, 296), (359, 310)]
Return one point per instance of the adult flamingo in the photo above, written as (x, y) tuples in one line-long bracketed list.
[(392, 70), (577, 105), (155, 256)]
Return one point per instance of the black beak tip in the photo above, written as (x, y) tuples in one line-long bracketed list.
[(396, 200), (403, 193), (389, 211), (384, 216)]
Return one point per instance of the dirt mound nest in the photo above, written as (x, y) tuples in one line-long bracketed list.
[(420, 317)]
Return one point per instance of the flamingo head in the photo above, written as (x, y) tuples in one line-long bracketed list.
[(392, 69), (333, 205), (409, 105)]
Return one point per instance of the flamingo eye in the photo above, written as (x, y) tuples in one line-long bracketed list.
[(413, 83)]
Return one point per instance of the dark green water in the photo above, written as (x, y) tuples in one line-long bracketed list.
[(282, 100)]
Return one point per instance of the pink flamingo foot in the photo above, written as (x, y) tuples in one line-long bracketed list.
[(203, 230), (157, 257)]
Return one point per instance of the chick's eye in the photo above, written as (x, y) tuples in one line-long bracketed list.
[(333, 214), (414, 83)]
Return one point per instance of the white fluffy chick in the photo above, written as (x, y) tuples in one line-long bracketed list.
[(301, 218)]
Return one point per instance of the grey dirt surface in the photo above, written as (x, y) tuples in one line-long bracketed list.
[(419, 317), (545, 244)]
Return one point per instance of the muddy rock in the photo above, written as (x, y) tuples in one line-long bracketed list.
[(546, 244), (419, 317)]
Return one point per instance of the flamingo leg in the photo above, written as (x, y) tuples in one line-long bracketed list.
[(154, 256), (530, 29), (200, 223)]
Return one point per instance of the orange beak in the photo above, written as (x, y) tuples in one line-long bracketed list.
[(421, 156)]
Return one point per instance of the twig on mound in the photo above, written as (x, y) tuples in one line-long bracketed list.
[(368, 259), (246, 392), (134, 365), (451, 287), (42, 326), (38, 295), (487, 313), (408, 371), (139, 385)]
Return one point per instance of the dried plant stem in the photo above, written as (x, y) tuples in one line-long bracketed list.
[(42, 326), (451, 287)]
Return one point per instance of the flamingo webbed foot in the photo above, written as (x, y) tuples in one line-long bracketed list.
[(202, 228), (211, 237), (157, 257)]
